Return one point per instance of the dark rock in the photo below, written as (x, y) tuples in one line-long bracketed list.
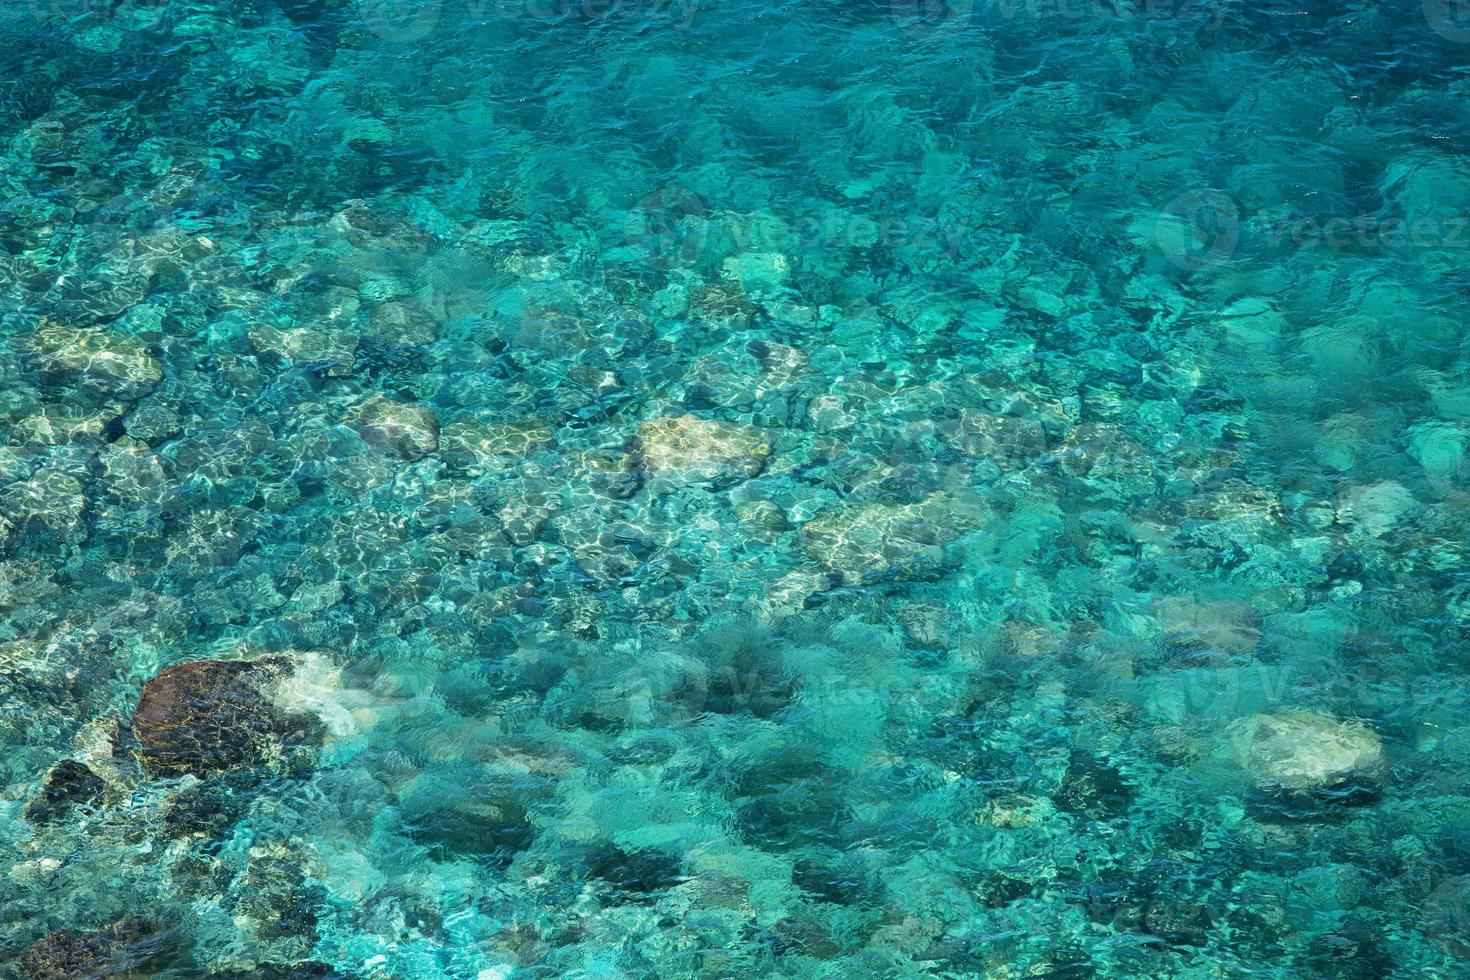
[(126, 948), (790, 797), (207, 716), (635, 874), (68, 785), (829, 883), (474, 812), (207, 809), (799, 936), (1093, 787), (306, 970)]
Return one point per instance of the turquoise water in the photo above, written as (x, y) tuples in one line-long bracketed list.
[(657, 488)]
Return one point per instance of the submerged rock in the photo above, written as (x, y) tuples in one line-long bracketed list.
[(125, 948), (68, 785), (408, 431), (1013, 441), (1376, 508), (475, 812), (335, 350), (1191, 622), (110, 363), (875, 541), (212, 715), (1012, 811), (689, 449), (52, 502), (1303, 750), (481, 447)]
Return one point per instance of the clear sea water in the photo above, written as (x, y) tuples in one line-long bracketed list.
[(745, 489)]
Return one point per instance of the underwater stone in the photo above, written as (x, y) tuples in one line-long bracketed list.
[(789, 594), (206, 716), (1012, 811), (765, 520), (113, 364), (739, 376), (52, 498), (57, 425), (635, 875), (334, 349), (926, 624), (1191, 622), (207, 809), (133, 472), (604, 472), (1445, 915), (694, 450), (1093, 786), (121, 949), (475, 812), (523, 515), (873, 541), (68, 785), (407, 430), (1005, 439), (1303, 750), (1375, 508), (477, 446)]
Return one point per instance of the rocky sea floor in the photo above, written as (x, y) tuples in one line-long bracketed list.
[(655, 488)]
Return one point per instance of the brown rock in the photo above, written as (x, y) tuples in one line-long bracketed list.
[(125, 948), (209, 715)]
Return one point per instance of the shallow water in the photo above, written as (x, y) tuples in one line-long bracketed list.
[(809, 489)]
